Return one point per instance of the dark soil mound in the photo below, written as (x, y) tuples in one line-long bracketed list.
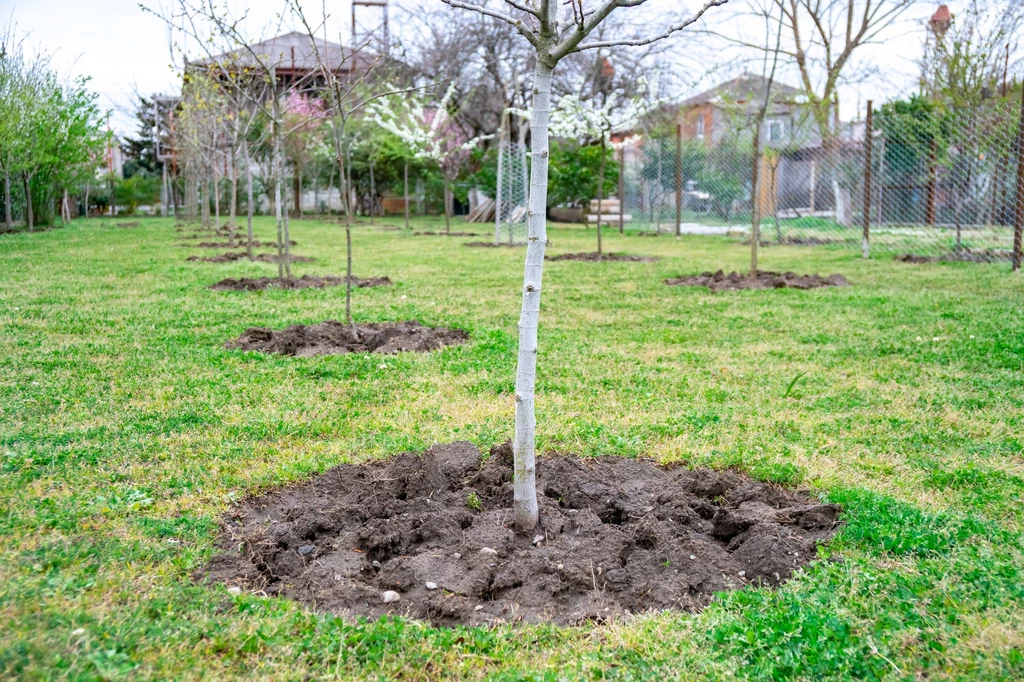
[(617, 536), (430, 233), (492, 245), (238, 243), (291, 258), (958, 256), (333, 338), (232, 256), (734, 281), (799, 241), (914, 258), (304, 282), (595, 257)]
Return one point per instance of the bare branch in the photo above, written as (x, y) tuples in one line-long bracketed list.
[(651, 39), (512, 21)]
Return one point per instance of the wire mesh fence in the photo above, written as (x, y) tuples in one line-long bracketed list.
[(921, 182), (512, 194)]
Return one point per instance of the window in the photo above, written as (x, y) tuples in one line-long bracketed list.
[(700, 127), (776, 131)]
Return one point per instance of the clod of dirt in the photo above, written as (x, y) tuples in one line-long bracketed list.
[(304, 282), (616, 536), (798, 241), (596, 257), (238, 243), (233, 256), (957, 256), (734, 281), (430, 233), (334, 338), (492, 245), (914, 258)]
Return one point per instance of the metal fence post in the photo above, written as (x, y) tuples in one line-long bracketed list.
[(1018, 218), (868, 134), (679, 178)]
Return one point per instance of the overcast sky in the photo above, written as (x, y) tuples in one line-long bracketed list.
[(124, 49)]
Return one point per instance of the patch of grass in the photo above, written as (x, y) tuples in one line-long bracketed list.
[(126, 429)]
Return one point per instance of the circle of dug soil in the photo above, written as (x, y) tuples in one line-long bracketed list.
[(764, 279), (429, 536), (334, 338), (304, 282)]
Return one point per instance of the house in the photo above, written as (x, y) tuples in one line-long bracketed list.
[(730, 109)]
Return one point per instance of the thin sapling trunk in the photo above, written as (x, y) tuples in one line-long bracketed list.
[(600, 195), (406, 188), (248, 201)]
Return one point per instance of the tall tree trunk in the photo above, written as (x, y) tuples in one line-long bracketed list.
[(216, 203), (297, 188), (600, 195), (524, 445), (234, 201), (406, 194), (8, 219), (373, 194), (447, 208), (249, 208), (29, 218), (277, 199)]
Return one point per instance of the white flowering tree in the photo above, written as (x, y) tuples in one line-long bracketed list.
[(431, 134), (576, 118), (554, 31)]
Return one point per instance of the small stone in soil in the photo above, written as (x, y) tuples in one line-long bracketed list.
[(306, 549), (431, 586), (389, 596)]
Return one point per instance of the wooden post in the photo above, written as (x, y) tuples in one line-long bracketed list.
[(1018, 219), (622, 185), (868, 130), (679, 178), (930, 209)]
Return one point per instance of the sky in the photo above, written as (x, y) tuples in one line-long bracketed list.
[(124, 50)]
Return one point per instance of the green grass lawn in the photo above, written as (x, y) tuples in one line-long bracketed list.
[(127, 428)]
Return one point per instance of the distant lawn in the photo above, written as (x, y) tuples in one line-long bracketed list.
[(127, 428)]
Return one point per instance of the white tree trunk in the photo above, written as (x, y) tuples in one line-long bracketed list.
[(525, 487), (407, 194)]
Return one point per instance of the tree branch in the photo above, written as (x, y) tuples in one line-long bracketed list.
[(512, 21), (637, 42)]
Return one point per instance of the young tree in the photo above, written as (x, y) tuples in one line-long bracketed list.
[(576, 118), (552, 38), (431, 132)]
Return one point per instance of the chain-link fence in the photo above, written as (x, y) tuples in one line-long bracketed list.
[(922, 181), (512, 194)]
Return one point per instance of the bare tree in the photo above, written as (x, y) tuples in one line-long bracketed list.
[(553, 38)]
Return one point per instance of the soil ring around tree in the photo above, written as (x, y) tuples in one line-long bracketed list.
[(594, 257), (799, 241), (304, 282), (334, 338), (960, 256), (239, 243), (430, 233), (736, 281), (492, 245), (430, 536), (232, 256)]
